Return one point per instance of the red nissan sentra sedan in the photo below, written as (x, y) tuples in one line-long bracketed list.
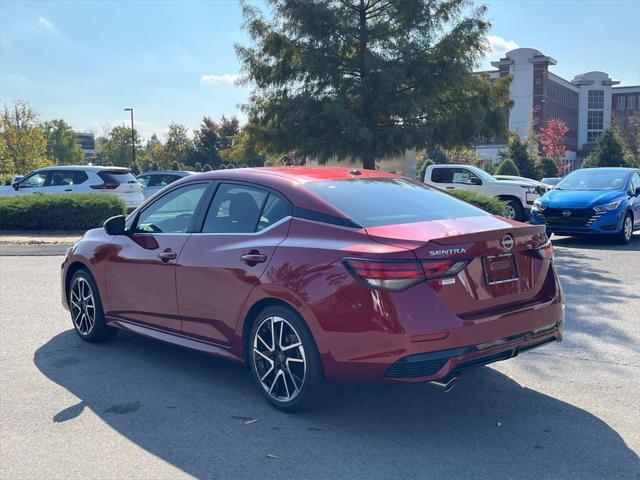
[(318, 275)]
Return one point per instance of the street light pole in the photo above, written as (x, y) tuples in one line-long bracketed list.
[(133, 135)]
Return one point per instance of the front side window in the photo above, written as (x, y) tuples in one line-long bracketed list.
[(455, 175), (635, 182), (34, 180), (144, 180), (366, 201), (173, 212), (235, 209)]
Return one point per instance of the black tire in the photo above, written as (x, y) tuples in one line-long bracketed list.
[(517, 209), (99, 331), (625, 234), (313, 389)]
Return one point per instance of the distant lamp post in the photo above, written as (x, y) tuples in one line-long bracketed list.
[(133, 135)]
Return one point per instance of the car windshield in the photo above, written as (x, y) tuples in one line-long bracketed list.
[(551, 180), (367, 201), (482, 174), (593, 179)]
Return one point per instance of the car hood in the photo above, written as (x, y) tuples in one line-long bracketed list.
[(579, 198)]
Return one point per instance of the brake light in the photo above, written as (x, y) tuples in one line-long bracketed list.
[(105, 186), (545, 252), (397, 275), (442, 268), (385, 275)]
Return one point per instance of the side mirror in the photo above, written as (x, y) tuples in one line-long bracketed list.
[(475, 181), (115, 225), (637, 191), (15, 186)]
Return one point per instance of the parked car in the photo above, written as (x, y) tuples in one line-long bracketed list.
[(81, 179), (156, 180), (592, 201), (551, 181), (518, 195), (318, 275), (541, 188)]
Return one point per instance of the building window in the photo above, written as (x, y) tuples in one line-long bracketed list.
[(631, 102), (620, 103), (595, 120), (596, 99), (592, 137)]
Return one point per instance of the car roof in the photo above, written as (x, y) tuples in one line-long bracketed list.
[(168, 172), (610, 169), (88, 168)]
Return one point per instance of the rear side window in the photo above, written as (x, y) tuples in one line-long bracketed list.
[(235, 209), (117, 176), (66, 177), (274, 210), (371, 202)]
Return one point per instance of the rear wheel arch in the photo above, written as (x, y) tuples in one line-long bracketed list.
[(252, 315)]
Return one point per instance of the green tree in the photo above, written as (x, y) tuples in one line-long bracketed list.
[(244, 151), (205, 142), (117, 149), (548, 168), (228, 131), (61, 143), (507, 167), (608, 152), (517, 152), (23, 144), (627, 128), (362, 79), (135, 168), (178, 147), (153, 154)]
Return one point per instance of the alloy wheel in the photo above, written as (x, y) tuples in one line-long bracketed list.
[(279, 359), (509, 212), (83, 306), (628, 228)]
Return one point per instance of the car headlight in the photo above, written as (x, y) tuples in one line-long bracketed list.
[(529, 189), (608, 207), (539, 206)]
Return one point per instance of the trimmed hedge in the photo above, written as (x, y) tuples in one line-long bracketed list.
[(74, 211), (489, 204)]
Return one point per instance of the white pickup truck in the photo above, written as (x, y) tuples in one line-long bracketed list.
[(519, 195)]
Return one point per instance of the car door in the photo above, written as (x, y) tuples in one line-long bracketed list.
[(33, 183), (452, 178), (141, 266), (64, 181), (220, 265)]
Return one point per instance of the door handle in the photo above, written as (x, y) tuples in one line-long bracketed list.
[(167, 255), (68, 189), (254, 257), (451, 188)]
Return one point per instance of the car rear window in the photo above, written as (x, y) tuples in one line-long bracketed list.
[(117, 176), (371, 202)]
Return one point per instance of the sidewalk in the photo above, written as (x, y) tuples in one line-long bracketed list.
[(36, 243)]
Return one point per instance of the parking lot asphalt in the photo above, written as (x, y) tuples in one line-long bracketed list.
[(136, 408)]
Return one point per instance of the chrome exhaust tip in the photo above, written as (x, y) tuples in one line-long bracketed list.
[(445, 384)]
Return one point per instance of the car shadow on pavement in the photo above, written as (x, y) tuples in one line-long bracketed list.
[(196, 412)]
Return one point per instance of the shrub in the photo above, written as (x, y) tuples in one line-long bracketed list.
[(422, 169), (488, 204), (548, 168), (507, 167), (5, 178), (75, 211)]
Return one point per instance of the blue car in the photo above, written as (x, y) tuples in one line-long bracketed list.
[(592, 201)]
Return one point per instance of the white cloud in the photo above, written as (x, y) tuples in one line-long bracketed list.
[(499, 45), (47, 24), (228, 78)]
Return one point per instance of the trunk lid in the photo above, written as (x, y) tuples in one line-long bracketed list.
[(502, 269)]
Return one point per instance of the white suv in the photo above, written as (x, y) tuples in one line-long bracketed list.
[(81, 179), (518, 195)]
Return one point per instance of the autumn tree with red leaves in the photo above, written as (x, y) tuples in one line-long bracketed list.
[(552, 139)]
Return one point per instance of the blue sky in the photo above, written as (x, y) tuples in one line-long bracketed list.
[(174, 61)]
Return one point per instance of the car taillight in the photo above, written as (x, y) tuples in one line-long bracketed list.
[(397, 275), (442, 268), (545, 251), (105, 186)]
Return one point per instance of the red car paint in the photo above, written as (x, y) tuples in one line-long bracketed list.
[(205, 298)]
